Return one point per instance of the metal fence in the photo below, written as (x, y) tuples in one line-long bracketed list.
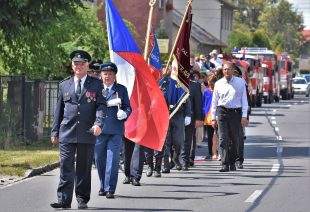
[(26, 109)]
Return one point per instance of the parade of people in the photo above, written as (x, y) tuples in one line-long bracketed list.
[(174, 111)]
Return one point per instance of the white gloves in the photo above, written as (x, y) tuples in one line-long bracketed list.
[(114, 102), (121, 115), (187, 120)]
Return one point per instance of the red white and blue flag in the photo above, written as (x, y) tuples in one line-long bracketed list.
[(154, 58), (148, 123)]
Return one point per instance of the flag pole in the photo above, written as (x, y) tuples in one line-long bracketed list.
[(148, 31), (179, 32)]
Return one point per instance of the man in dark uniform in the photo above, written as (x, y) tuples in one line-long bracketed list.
[(77, 120), (173, 93), (108, 144), (189, 147)]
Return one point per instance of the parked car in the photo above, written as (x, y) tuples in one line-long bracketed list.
[(307, 77), (301, 86)]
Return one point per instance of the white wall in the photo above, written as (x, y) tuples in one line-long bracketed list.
[(206, 13)]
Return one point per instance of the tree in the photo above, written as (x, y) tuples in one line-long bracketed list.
[(239, 39), (260, 39), (43, 53), (282, 21), (15, 15)]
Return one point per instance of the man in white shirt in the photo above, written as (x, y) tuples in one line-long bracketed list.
[(229, 105)]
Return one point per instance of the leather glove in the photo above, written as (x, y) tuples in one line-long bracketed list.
[(187, 120), (114, 102), (121, 115)]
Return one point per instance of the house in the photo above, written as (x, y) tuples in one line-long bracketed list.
[(212, 20)]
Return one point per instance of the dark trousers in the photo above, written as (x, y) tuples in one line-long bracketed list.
[(229, 124), (174, 140), (210, 132), (107, 155), (133, 159), (79, 175), (188, 148), (240, 147), (150, 154)]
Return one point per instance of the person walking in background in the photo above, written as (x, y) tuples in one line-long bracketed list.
[(189, 146), (207, 100), (229, 100), (108, 144), (78, 118), (133, 162)]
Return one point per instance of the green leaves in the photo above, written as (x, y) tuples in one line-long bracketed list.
[(276, 26), (41, 52)]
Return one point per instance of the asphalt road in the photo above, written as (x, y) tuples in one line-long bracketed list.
[(276, 175)]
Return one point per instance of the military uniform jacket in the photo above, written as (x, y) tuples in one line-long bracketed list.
[(111, 125), (196, 100), (74, 117)]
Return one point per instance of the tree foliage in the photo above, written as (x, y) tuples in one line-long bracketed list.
[(42, 52), (273, 24), (15, 15), (281, 20)]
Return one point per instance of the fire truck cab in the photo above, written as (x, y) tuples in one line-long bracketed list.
[(285, 72)]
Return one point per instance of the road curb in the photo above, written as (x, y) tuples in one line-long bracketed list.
[(41, 170)]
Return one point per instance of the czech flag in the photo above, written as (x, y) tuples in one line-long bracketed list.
[(154, 58), (148, 123)]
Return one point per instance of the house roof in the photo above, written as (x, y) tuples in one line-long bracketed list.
[(197, 32)]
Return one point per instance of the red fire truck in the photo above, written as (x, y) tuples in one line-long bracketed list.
[(267, 70), (285, 72)]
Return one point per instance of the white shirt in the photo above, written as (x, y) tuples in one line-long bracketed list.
[(110, 87), (76, 81), (230, 94)]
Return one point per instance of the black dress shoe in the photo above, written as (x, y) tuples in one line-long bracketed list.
[(232, 167), (135, 182), (185, 168), (102, 193), (239, 165), (59, 205), (224, 169), (127, 180), (82, 205), (149, 172), (109, 195), (157, 174), (178, 167), (165, 170)]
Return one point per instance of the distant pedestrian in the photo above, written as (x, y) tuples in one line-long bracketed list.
[(78, 118), (230, 102)]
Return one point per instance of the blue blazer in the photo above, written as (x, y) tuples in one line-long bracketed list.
[(111, 125), (74, 117)]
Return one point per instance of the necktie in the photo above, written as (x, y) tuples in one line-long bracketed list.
[(107, 90), (78, 89)]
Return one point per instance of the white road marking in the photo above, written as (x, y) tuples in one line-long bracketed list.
[(289, 105), (280, 138), (274, 110), (275, 167), (274, 122), (273, 118), (276, 128), (295, 103), (302, 101), (254, 196), (279, 149)]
